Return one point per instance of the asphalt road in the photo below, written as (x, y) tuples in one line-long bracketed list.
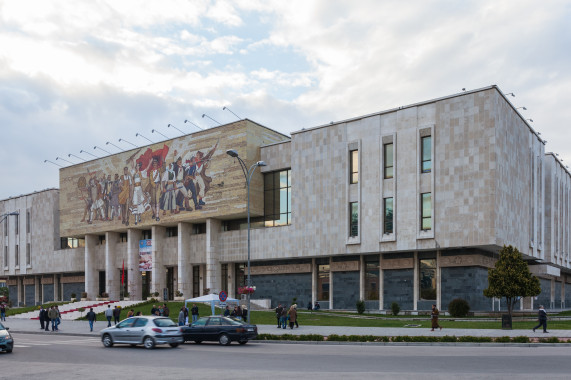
[(83, 357)]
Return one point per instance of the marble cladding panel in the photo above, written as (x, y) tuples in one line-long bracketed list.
[(276, 156), (467, 283), (282, 288), (29, 295), (398, 287), (345, 290), (13, 294), (48, 292)]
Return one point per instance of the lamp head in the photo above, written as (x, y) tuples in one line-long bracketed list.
[(185, 120), (95, 147), (136, 134), (170, 125), (232, 153), (223, 108), (152, 131), (261, 163)]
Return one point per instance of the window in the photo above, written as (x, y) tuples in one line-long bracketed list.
[(242, 224), (17, 223), (388, 160), (354, 219), (123, 237), (6, 226), (172, 231), (372, 278), (198, 229), (426, 212), (426, 156), (28, 254), (354, 166), (240, 276), (224, 275), (28, 222), (427, 280), (388, 215), (147, 234), (5, 256), (17, 256), (101, 240), (72, 242), (323, 276), (277, 198)]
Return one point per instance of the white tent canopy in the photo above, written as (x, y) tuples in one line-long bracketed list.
[(212, 299)]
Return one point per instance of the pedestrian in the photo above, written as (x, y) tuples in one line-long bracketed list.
[(296, 316), (116, 314), (292, 314), (53, 314), (245, 313), (181, 317), (234, 312), (309, 306), (91, 318), (3, 313), (153, 310), (109, 315), (317, 306), (137, 314), (194, 312), (283, 317), (166, 310), (185, 314), (130, 313), (160, 310), (47, 319), (58, 319), (279, 310), (239, 313), (542, 317), (434, 318), (42, 317), (227, 311)]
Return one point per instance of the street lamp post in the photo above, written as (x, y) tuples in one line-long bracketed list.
[(5, 216), (248, 175)]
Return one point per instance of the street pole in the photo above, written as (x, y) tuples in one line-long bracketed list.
[(248, 174)]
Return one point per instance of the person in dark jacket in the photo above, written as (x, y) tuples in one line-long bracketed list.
[(194, 312), (91, 318), (47, 319), (42, 317), (116, 314), (227, 312), (166, 310), (542, 316), (279, 310)]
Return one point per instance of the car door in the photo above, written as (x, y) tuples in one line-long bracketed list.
[(120, 333), (196, 330), (212, 328), (137, 331)]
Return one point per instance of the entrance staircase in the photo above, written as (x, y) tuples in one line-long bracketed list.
[(69, 311)]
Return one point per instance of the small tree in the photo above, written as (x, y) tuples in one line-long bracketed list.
[(395, 308), (360, 305), (511, 278)]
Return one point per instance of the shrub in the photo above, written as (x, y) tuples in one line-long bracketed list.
[(395, 308), (83, 294), (73, 295), (458, 307), (503, 339), (360, 306), (520, 339)]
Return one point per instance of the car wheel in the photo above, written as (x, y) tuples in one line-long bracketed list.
[(173, 345), (224, 339), (107, 341), (197, 341), (149, 343), (242, 342)]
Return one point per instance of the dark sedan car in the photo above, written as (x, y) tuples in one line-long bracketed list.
[(6, 340), (223, 330)]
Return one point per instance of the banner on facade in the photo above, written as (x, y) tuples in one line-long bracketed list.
[(145, 255)]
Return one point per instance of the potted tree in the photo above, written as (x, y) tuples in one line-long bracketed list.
[(73, 297), (179, 296), (84, 296)]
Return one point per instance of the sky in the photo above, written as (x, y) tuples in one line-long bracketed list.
[(78, 74)]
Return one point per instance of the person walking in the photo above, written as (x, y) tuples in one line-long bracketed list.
[(53, 314), (279, 310), (227, 311), (58, 319), (109, 315), (434, 318), (239, 313), (292, 314), (116, 315), (194, 312), (42, 317), (283, 318), (542, 317), (296, 316), (47, 319), (91, 318), (181, 317), (3, 313)]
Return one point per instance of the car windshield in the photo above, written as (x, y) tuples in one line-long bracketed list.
[(200, 322), (164, 322), (232, 321)]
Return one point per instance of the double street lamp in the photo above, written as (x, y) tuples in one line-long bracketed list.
[(248, 174), (4, 216)]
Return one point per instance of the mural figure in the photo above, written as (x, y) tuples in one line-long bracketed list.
[(114, 198), (125, 196)]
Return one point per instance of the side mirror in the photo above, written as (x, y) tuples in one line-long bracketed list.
[(7, 328)]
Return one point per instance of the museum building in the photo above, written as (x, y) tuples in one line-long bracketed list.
[(409, 205)]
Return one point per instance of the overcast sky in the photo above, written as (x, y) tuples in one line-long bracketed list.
[(76, 74)]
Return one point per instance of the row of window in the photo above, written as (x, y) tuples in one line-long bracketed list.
[(388, 160), (17, 224), (17, 255), (425, 221)]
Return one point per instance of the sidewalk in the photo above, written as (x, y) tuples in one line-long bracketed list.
[(19, 325)]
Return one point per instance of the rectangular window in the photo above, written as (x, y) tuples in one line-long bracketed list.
[(354, 166), (354, 219), (426, 156), (240, 276), (123, 237), (277, 198), (323, 276), (147, 234), (224, 275), (28, 254), (388, 160), (6, 226), (427, 280), (5, 256), (101, 240), (17, 223), (72, 243), (28, 222), (426, 212), (388, 215), (172, 231), (17, 256), (199, 228), (372, 278)]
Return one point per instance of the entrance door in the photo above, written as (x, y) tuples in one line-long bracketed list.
[(195, 281), (170, 281), (146, 284), (101, 282)]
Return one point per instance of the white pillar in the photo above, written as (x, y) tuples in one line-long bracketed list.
[(158, 272), (362, 271), (212, 263), (112, 280), (314, 270), (381, 283), (184, 264), (91, 274), (438, 282), (135, 283), (415, 282)]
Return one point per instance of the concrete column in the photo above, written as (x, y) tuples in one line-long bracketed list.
[(20, 288), (552, 298), (91, 275), (313, 282), (362, 271), (112, 279), (381, 283), (202, 279), (415, 282), (184, 264), (135, 285), (330, 286), (37, 285), (159, 281), (57, 293), (212, 252), (231, 280), (438, 282)]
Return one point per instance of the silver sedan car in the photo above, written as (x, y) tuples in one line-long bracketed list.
[(146, 330)]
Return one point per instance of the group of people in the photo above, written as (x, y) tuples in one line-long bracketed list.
[(239, 312), (283, 315), (148, 183), (48, 316), (162, 310), (184, 312)]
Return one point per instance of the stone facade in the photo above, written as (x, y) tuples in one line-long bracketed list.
[(490, 184)]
